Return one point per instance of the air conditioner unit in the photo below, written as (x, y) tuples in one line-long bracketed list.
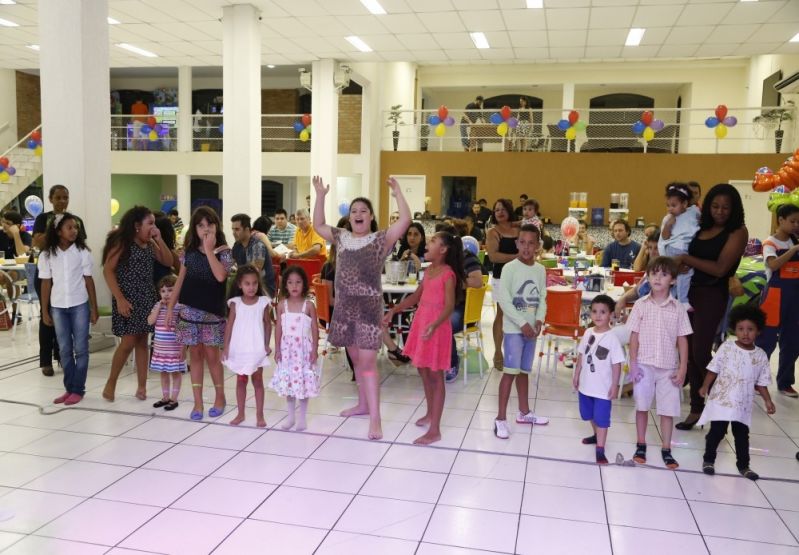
[(788, 85)]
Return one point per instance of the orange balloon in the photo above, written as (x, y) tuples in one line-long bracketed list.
[(793, 163), (790, 179), (762, 183)]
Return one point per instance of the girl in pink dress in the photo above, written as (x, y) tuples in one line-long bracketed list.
[(429, 341)]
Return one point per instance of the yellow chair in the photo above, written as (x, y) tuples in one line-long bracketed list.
[(488, 287), (472, 314)]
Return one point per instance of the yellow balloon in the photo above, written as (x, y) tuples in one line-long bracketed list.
[(38, 150), (571, 133), (649, 134), (114, 206), (502, 129), (721, 131), (4, 177), (440, 130), (153, 136), (304, 135)]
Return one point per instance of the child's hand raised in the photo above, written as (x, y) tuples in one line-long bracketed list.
[(319, 186)]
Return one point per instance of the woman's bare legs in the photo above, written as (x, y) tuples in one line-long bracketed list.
[(361, 407), (214, 358), (126, 345), (365, 362)]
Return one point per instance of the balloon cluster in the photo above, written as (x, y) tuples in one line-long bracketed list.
[(441, 121), (721, 121), (569, 228), (33, 205), (788, 176), (572, 125), (153, 130), (781, 195), (303, 127), (35, 142), (6, 170), (647, 126), (504, 121)]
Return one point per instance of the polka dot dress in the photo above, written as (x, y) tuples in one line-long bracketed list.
[(135, 279)]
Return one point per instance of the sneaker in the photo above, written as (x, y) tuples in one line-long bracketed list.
[(451, 375), (709, 468), (749, 473), (601, 458), (501, 429), (531, 418), (789, 392)]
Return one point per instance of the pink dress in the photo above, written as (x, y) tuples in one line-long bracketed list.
[(433, 353)]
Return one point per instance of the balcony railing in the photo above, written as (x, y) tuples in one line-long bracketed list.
[(141, 132), (671, 130)]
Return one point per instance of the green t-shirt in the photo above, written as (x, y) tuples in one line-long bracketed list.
[(522, 295)]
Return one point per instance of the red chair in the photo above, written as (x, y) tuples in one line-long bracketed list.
[(562, 320), (312, 266), (630, 278), (276, 269), (322, 299)]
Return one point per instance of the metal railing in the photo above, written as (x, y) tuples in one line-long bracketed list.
[(671, 130), (143, 132)]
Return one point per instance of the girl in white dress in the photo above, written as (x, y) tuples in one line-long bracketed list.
[(736, 371), (247, 337), (296, 345)]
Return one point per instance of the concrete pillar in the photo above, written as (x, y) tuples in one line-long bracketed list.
[(185, 142), (241, 76), (76, 124), (568, 104), (324, 139)]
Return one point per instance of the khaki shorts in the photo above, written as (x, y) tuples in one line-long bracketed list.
[(656, 385)]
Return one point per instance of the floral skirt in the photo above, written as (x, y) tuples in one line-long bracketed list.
[(197, 327)]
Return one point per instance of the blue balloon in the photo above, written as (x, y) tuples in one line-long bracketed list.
[(2, 168), (33, 205), (145, 129), (638, 127), (298, 126), (434, 120), (712, 122), (496, 118), (344, 209), (470, 244), (563, 124), (32, 144)]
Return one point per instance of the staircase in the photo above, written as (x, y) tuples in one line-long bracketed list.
[(28, 166)]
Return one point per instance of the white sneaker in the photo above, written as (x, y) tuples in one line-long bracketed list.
[(501, 429), (531, 418)]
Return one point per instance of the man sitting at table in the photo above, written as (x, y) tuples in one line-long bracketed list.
[(307, 242), (282, 232), (14, 241), (623, 248)]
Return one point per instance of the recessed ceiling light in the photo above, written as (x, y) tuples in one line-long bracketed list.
[(7, 2), (634, 36), (480, 41), (34, 47), (748, 0), (137, 50), (7, 23), (112, 21), (374, 7), (358, 43), (795, 38), (535, 4), (270, 66)]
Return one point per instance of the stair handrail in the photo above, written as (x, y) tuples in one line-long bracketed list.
[(22, 141)]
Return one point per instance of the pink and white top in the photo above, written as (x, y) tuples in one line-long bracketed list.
[(658, 326)]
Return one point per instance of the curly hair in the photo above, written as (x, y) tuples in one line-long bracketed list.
[(736, 219), (123, 236), (747, 312)]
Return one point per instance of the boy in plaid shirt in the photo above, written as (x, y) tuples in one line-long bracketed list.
[(658, 356)]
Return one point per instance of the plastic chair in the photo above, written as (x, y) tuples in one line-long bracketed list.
[(630, 278), (312, 266), (472, 314), (549, 262), (29, 298), (322, 297), (488, 287), (561, 321), (555, 271)]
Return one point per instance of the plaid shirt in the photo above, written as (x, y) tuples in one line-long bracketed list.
[(658, 327)]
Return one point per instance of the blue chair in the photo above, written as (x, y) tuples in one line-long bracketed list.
[(29, 298)]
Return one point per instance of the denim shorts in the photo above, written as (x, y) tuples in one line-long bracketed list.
[(519, 352), (593, 408)]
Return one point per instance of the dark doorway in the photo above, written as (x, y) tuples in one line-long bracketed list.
[(206, 193), (271, 196), (457, 194)]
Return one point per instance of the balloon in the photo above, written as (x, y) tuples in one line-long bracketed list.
[(36, 135), (721, 111), (647, 117), (304, 135), (580, 126), (721, 131), (157, 128), (33, 205), (298, 126), (711, 122), (221, 128), (442, 112), (145, 129), (38, 150), (563, 124), (638, 127), (649, 134), (2, 168), (114, 206), (569, 227), (4, 177), (780, 189), (512, 122), (496, 118), (306, 120), (32, 144), (502, 129), (574, 115), (151, 121), (505, 112), (470, 244), (449, 121), (153, 136), (434, 120), (344, 208), (657, 124), (440, 130), (764, 170), (11, 170), (571, 133), (4, 162), (164, 130), (761, 183), (308, 129), (730, 121)]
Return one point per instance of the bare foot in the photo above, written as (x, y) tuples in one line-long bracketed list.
[(141, 394), (301, 425), (375, 431), (260, 422), (289, 423), (108, 393), (354, 411), (423, 421), (427, 439), (238, 420)]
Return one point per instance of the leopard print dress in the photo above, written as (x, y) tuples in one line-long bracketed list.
[(359, 293)]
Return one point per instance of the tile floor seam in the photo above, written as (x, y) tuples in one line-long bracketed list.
[(605, 504), (693, 516), (777, 512), (758, 542)]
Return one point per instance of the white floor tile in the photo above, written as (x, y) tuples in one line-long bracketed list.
[(36, 544), (125, 451), (567, 448), (559, 502), (291, 444), (62, 444), (165, 429), (191, 459), (17, 469), (642, 481), (51, 421), (351, 450), (9, 538), (631, 541), (390, 518), (486, 465), (150, 487), (721, 489), (473, 528), (742, 523), (726, 546), (358, 427), (558, 473), (791, 520), (33, 509), (436, 549), (561, 537), (485, 440), (482, 493), (15, 437), (78, 478), (222, 496), (280, 538), (256, 467), (782, 495), (303, 507), (108, 424), (417, 457), (99, 521), (163, 534), (343, 543), (330, 476), (655, 513), (224, 437), (409, 485)]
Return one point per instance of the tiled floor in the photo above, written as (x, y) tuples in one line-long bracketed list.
[(125, 478)]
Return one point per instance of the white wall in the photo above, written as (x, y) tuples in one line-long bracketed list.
[(197, 83), (8, 109)]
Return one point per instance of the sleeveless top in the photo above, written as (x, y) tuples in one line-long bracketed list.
[(709, 249), (200, 288), (507, 245)]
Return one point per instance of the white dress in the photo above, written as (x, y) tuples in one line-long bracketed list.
[(738, 372), (295, 376), (247, 351)]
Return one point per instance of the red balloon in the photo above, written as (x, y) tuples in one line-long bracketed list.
[(151, 121), (442, 112), (646, 118), (721, 111), (505, 112), (306, 120), (36, 135), (4, 162), (574, 115)]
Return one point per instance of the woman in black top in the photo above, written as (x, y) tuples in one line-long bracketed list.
[(413, 245), (714, 254), (501, 248)]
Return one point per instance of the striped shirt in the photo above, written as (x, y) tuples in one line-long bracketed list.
[(285, 236), (167, 353)]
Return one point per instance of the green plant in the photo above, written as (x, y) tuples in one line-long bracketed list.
[(395, 117), (770, 119)]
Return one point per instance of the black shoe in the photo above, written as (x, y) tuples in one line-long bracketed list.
[(161, 403), (749, 473), (396, 356), (590, 440), (708, 468), (668, 459), (48, 371), (689, 422), (171, 405), (640, 453)]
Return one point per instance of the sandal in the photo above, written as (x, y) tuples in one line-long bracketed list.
[(161, 403), (213, 412), (708, 468), (397, 356), (590, 440), (196, 415), (171, 405), (668, 459), (749, 473), (640, 453)]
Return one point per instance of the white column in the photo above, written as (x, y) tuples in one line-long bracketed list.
[(568, 97), (76, 124), (241, 75), (324, 139), (185, 143)]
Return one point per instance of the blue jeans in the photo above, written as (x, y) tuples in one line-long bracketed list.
[(683, 283), (456, 319), (72, 330)]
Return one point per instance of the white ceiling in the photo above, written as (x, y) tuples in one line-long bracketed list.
[(188, 32)]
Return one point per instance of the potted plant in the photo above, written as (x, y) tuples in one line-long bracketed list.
[(771, 119), (395, 119)]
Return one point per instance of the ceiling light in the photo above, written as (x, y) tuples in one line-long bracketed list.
[(535, 4), (270, 66), (748, 0), (137, 50), (34, 47), (7, 2), (634, 36), (358, 43), (795, 38), (480, 41), (7, 23), (112, 21), (374, 7)]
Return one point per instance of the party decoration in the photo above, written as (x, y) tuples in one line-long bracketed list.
[(11, 170), (36, 136), (114, 206), (503, 121), (441, 120), (781, 182), (571, 125), (344, 208), (304, 135), (647, 126), (303, 127), (151, 121), (4, 177), (4, 162), (145, 129), (569, 227), (38, 150), (221, 128), (470, 244), (721, 122), (33, 205)]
